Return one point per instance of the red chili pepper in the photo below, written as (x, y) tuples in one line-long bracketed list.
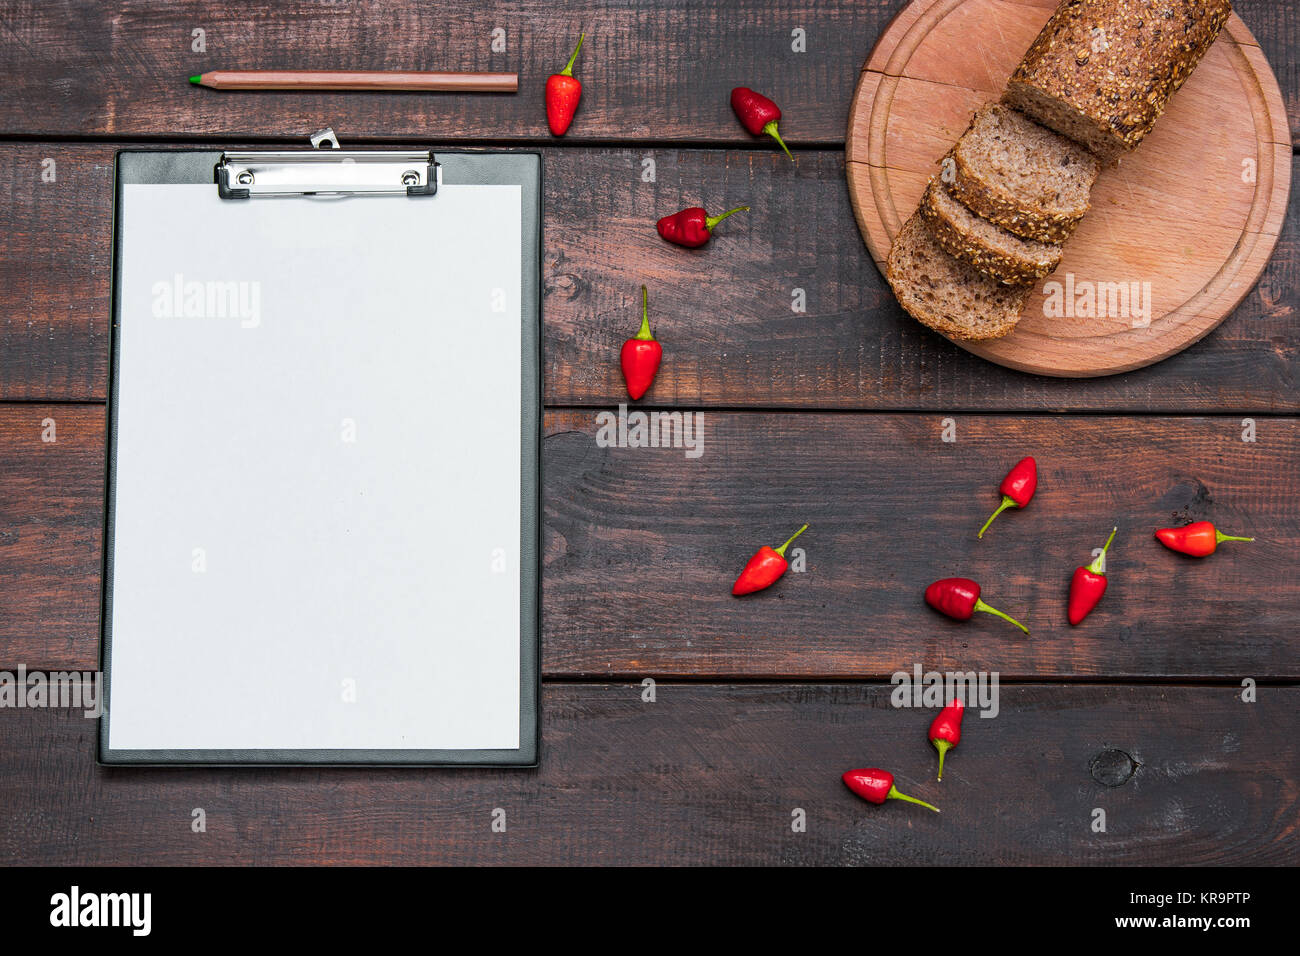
[(1199, 539), (691, 227), (945, 730), (640, 355), (1088, 585), (960, 598), (757, 114), (562, 95), (1017, 488), (877, 786), (764, 568)]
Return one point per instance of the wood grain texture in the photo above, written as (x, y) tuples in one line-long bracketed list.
[(724, 312), (711, 774), (657, 70), (641, 546), (1189, 219), (51, 525)]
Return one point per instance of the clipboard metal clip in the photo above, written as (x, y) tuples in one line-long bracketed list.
[(326, 171)]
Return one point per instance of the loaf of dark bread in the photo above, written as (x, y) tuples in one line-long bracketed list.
[(1020, 175), (1102, 71), (948, 295)]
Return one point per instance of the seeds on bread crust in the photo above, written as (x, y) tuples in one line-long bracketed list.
[(1102, 71), (946, 294), (990, 249), (1020, 175)]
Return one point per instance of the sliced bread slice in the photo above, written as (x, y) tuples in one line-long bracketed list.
[(989, 248), (1102, 71), (948, 295), (1020, 175)]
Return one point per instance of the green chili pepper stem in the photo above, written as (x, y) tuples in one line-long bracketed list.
[(942, 746), (895, 795), (1220, 537), (568, 69), (1007, 502), (1098, 565), (781, 550), (770, 130), (644, 334), (711, 221), (981, 606)]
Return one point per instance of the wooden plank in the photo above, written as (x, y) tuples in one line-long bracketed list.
[(663, 71), (713, 774), (724, 312), (638, 583), (641, 546), (1277, 28), (51, 523), (55, 271)]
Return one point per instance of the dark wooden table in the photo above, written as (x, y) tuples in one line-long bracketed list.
[(833, 416)]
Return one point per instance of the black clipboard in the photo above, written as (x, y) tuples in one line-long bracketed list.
[(306, 176)]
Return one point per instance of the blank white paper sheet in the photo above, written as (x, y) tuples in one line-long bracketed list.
[(316, 527)]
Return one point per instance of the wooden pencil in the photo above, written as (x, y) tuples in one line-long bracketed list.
[(378, 80)]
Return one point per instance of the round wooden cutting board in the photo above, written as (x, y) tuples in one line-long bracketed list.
[(1179, 230)]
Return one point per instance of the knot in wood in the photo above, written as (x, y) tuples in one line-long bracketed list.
[(1112, 768)]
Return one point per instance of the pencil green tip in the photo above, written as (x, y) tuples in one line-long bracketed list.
[(196, 79)]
